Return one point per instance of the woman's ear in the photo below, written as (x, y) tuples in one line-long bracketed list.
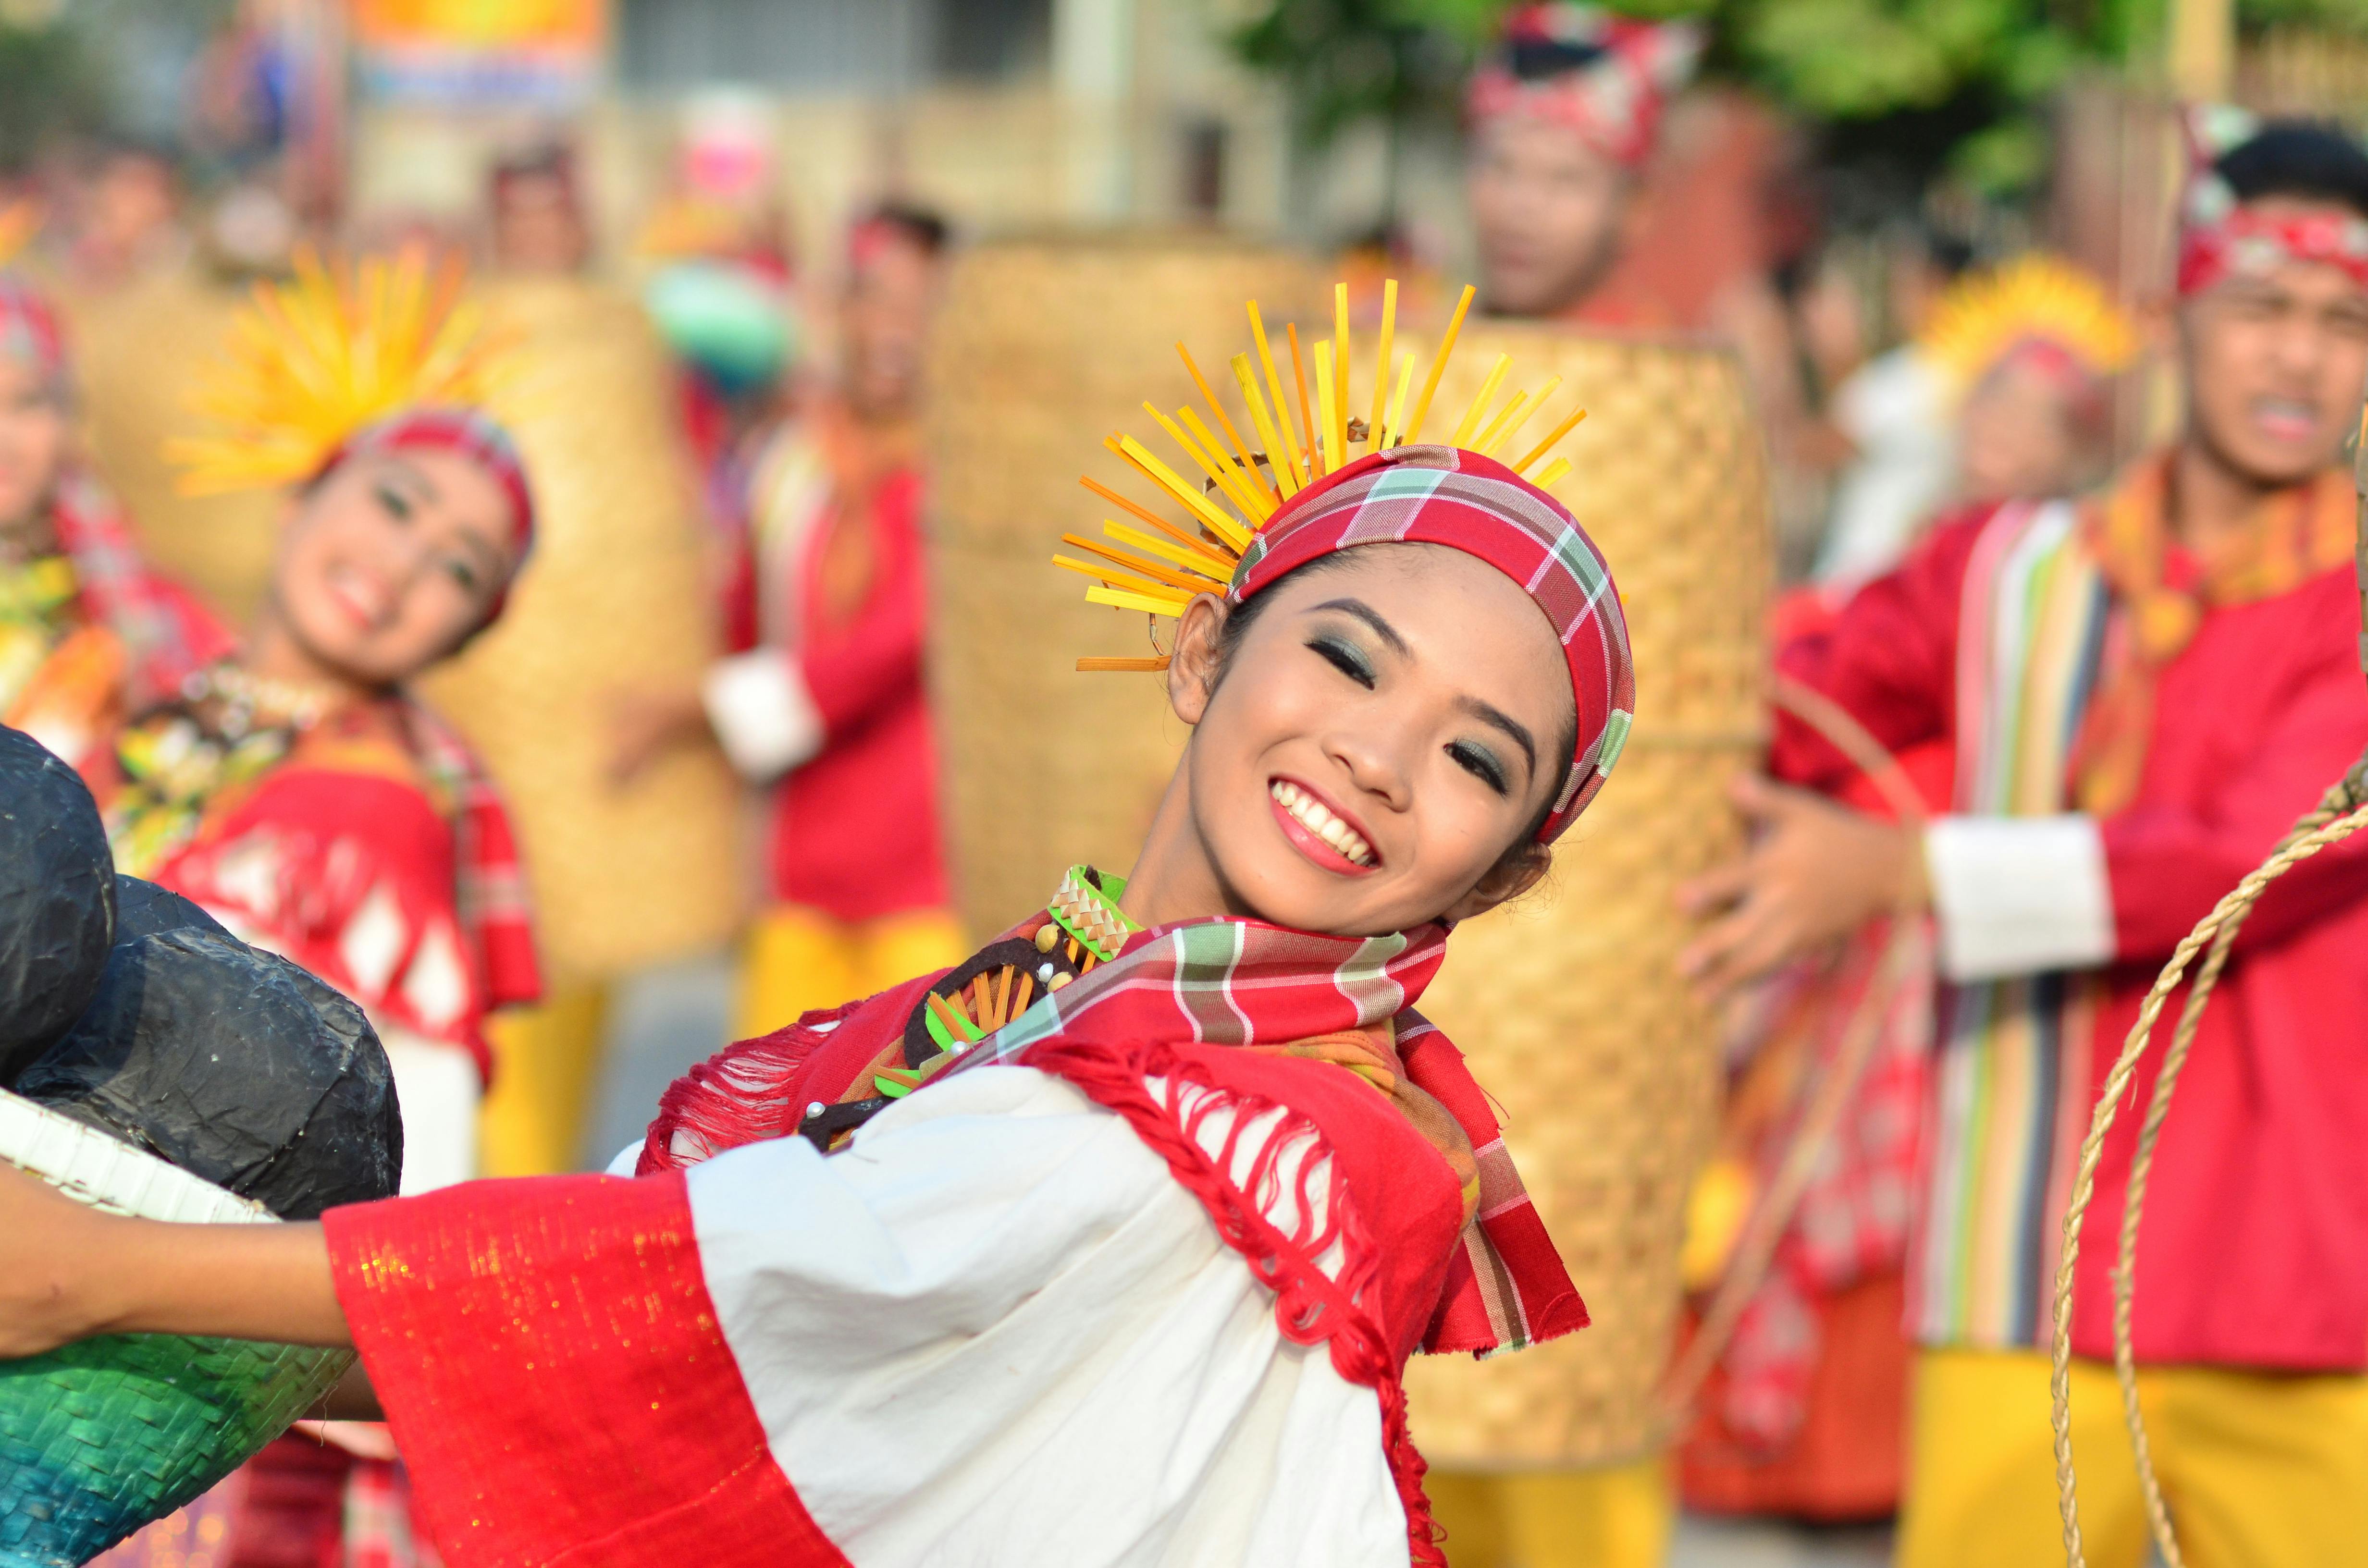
[(1515, 873), (1192, 668)]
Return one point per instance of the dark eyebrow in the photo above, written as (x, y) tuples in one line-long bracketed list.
[(1366, 613), (1488, 713), (397, 467)]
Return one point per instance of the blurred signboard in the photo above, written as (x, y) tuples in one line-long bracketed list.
[(481, 52)]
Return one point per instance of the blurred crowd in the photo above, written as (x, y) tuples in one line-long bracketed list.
[(1911, 378)]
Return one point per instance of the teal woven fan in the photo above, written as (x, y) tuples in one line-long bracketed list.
[(100, 1437)]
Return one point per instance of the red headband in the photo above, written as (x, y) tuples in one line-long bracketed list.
[(1444, 496), (1608, 78), (2242, 240)]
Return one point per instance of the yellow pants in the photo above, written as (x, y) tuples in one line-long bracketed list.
[(2261, 1469), (1619, 1517), (799, 959), (546, 1058)]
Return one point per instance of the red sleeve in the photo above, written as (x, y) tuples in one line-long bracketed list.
[(1889, 659), (2169, 863), (855, 669)]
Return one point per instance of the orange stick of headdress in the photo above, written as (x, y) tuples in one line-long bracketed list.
[(1121, 666), (1564, 428), (1122, 581), (1169, 575), (1438, 367), (1225, 423), (1336, 431), (1299, 472), (1149, 516), (1381, 365), (1307, 410), (1286, 474), (1488, 447)]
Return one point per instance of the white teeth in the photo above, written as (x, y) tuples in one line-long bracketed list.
[(1310, 814)]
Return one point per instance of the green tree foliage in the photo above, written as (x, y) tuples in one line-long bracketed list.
[(48, 90)]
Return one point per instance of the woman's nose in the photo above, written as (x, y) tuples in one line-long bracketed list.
[(1374, 764)]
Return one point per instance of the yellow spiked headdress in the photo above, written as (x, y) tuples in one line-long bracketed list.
[(318, 359), (1159, 566), (2034, 298)]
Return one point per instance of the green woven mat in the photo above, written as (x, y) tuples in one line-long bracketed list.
[(99, 1438)]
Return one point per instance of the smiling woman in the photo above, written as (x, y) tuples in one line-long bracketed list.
[(1109, 1244)]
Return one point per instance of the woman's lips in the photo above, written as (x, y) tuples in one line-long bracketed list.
[(1325, 835), (361, 605)]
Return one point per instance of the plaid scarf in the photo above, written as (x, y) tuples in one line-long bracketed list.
[(492, 891), (1244, 983), (166, 637)]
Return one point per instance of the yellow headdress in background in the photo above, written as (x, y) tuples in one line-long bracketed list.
[(326, 354), (2032, 298), (1159, 568)]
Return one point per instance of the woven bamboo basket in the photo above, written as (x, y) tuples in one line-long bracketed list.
[(138, 352), (616, 594), (99, 1438), (1569, 1002), (1046, 346)]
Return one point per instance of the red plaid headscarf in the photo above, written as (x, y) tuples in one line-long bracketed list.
[(1444, 496), (1604, 76), (2220, 236)]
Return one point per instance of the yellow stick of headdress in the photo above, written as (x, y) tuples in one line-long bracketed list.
[(1248, 492), (1480, 404), (1438, 365), (1490, 444), (1554, 470), (1315, 469), (1149, 516), (1167, 479), (1382, 364), (1122, 581), (1225, 423), (1286, 472), (1397, 400), (1290, 448), (1119, 598), (1199, 563), (1206, 462), (1327, 403), (1564, 428), (1336, 428), (1488, 432), (1169, 575)]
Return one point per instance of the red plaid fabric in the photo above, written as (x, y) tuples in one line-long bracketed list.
[(1853, 1222), (28, 329), (167, 635), (1606, 76), (1443, 496), (492, 895), (1224, 981)]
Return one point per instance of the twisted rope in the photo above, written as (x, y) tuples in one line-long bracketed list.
[(2314, 831), (1754, 1249)]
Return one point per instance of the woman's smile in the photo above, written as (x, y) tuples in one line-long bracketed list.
[(1321, 830)]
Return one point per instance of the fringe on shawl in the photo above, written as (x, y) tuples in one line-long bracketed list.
[(741, 1095), (1312, 1306)]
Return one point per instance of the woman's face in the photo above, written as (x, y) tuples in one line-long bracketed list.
[(2017, 437), (33, 430), (1389, 726), (392, 561)]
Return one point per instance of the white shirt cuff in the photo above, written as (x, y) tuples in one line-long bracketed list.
[(2019, 895), (762, 712)]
